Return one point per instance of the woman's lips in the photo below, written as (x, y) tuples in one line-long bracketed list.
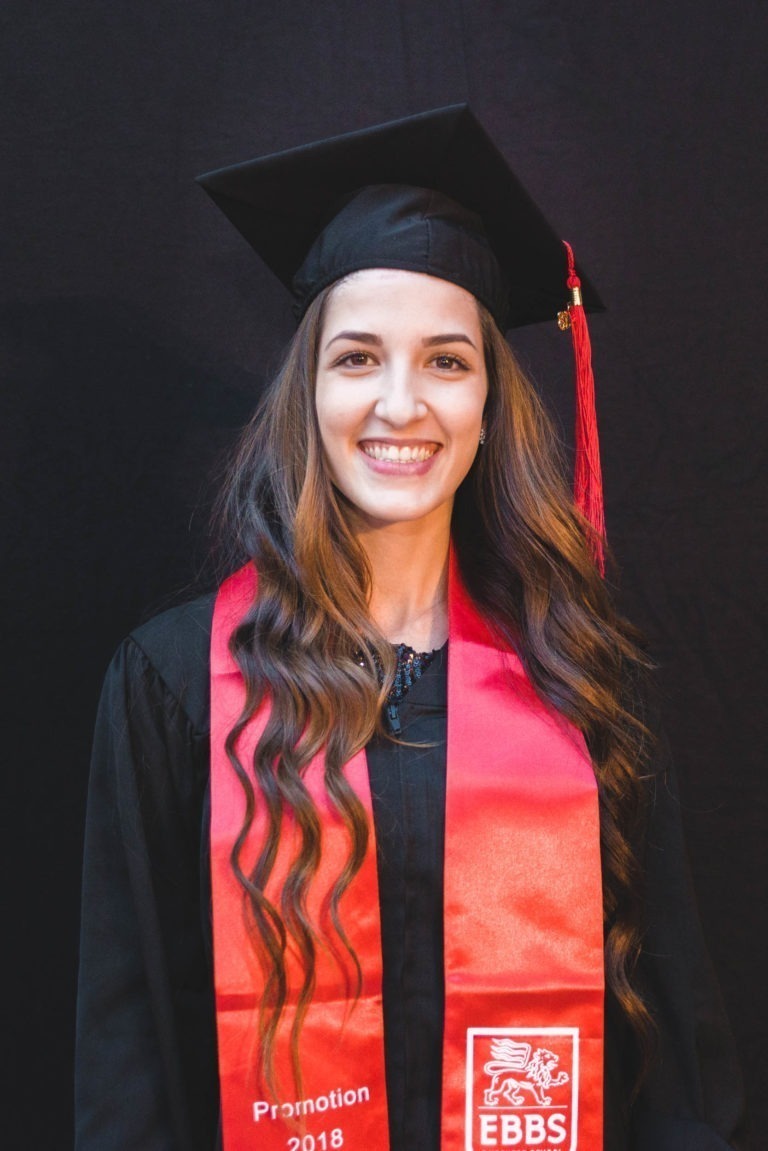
[(399, 458)]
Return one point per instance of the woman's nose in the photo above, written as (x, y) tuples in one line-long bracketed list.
[(399, 401)]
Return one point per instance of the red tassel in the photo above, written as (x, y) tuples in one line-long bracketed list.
[(588, 479)]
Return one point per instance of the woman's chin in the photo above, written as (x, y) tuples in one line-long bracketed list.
[(412, 517)]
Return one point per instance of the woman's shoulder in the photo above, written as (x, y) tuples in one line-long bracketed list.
[(169, 657), (178, 636)]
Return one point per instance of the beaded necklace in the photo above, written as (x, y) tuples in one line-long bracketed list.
[(410, 667)]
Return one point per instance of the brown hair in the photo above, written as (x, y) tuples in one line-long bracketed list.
[(523, 554)]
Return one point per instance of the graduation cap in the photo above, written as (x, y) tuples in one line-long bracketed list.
[(430, 193)]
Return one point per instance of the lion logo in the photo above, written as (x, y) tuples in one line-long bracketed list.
[(515, 1069)]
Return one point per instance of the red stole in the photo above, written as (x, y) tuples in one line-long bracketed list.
[(523, 1043)]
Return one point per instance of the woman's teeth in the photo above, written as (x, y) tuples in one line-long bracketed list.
[(402, 455)]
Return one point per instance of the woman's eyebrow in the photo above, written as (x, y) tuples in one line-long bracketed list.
[(427, 342), (448, 338), (360, 337)]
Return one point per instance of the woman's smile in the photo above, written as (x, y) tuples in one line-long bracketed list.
[(392, 457)]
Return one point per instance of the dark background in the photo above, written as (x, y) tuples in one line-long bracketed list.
[(137, 328)]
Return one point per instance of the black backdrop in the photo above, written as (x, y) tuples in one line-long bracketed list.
[(137, 328)]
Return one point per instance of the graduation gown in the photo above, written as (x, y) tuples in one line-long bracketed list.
[(146, 1073)]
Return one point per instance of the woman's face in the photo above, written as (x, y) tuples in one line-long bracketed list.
[(401, 387)]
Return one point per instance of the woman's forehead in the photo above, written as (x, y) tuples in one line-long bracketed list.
[(394, 293)]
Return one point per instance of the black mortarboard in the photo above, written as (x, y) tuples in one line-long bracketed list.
[(430, 193)]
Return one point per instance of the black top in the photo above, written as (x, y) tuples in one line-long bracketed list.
[(146, 1058)]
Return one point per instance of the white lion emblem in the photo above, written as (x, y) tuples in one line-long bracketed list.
[(509, 1060)]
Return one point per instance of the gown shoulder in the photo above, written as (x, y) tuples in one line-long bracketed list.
[(175, 645)]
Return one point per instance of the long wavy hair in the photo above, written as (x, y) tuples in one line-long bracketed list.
[(310, 645)]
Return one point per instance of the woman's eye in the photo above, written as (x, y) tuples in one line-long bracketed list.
[(448, 363), (355, 360)]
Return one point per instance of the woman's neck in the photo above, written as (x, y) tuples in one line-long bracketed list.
[(409, 566)]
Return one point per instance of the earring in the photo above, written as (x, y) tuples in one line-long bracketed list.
[(482, 434)]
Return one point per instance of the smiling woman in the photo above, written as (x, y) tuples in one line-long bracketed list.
[(406, 754)]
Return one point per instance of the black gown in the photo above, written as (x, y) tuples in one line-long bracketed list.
[(146, 1039)]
